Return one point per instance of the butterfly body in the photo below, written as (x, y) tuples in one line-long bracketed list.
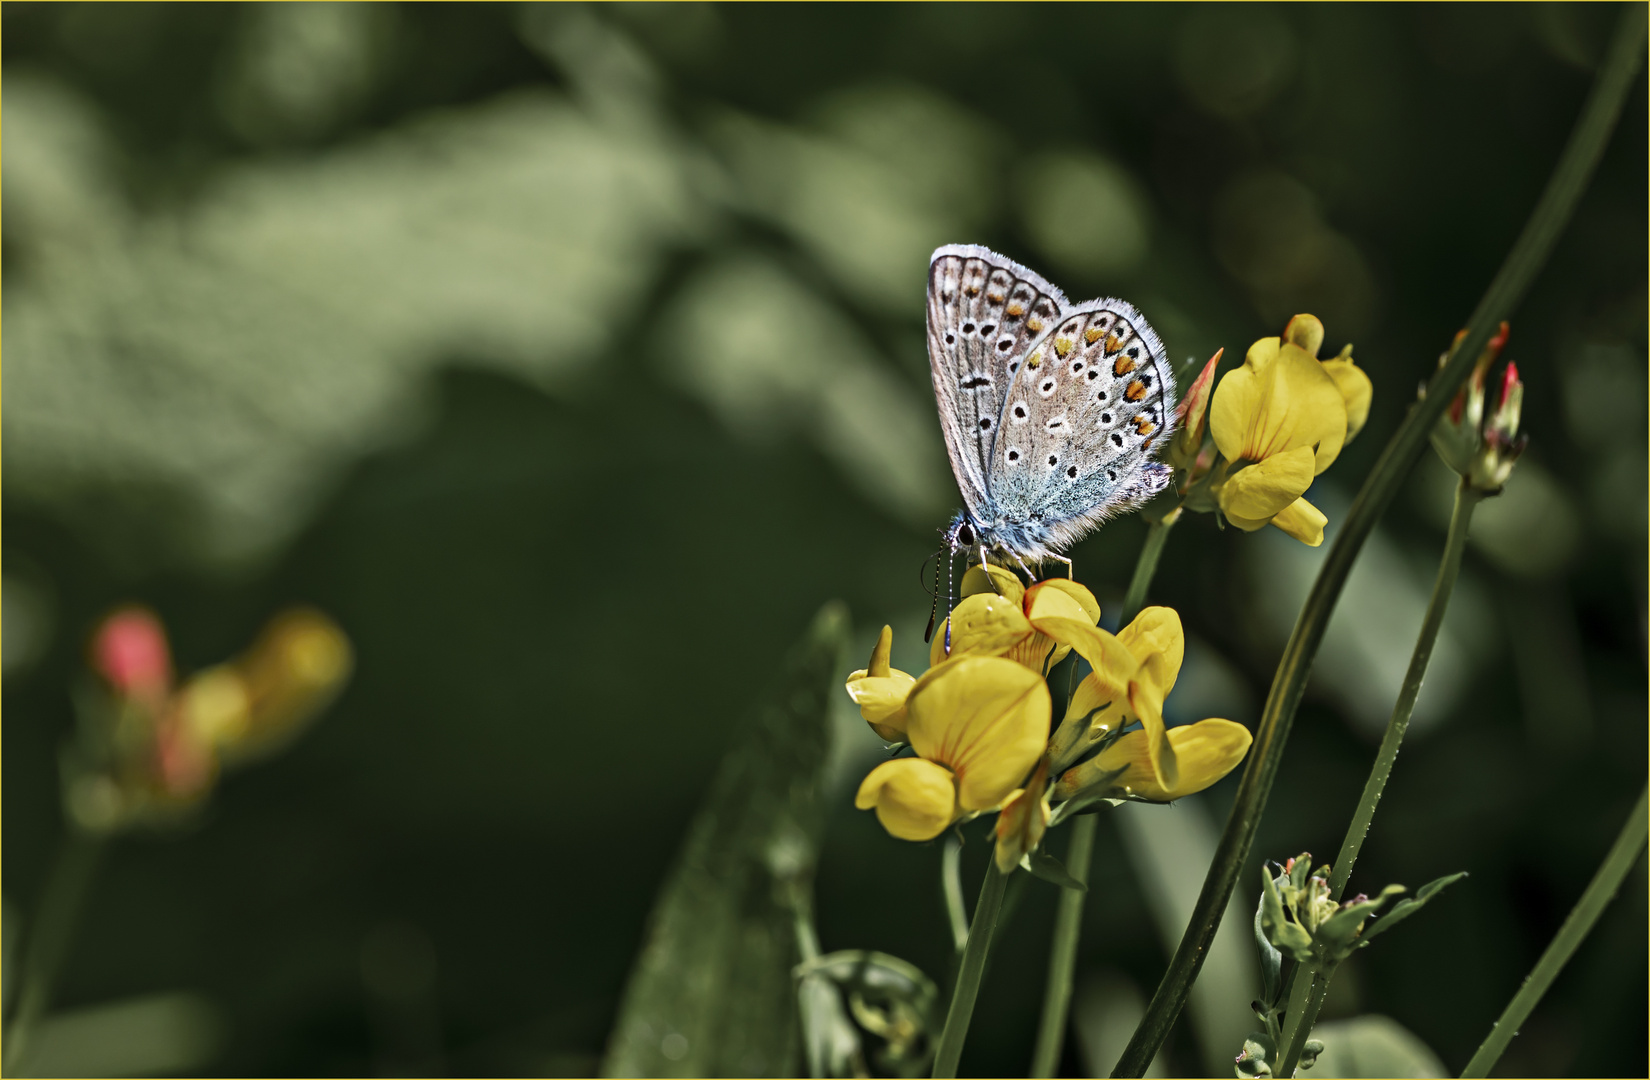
[(1052, 411)]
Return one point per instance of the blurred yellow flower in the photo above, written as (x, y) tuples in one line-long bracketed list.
[(978, 725), (152, 748), (1279, 421)]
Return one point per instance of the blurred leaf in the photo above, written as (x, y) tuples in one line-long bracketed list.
[(1373, 1046), (712, 991), (155, 1035)]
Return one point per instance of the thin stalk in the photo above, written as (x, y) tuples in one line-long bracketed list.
[(951, 881), (54, 921), (1624, 853), (1294, 1038), (968, 978), (1467, 499), (1300, 1015), (1068, 918), (1068, 926), (1575, 168)]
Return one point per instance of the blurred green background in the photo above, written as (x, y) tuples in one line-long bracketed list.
[(571, 357)]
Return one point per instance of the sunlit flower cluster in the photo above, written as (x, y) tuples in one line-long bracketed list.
[(148, 747), (979, 722), (1276, 422)]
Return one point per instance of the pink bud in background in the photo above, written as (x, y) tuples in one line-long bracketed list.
[(129, 651)]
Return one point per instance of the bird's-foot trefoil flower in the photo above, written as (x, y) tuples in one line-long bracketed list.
[(1279, 421), (1154, 763), (978, 725)]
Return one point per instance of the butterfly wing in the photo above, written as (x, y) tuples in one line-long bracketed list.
[(984, 312), (1083, 418)]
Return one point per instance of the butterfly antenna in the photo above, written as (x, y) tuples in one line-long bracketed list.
[(950, 594)]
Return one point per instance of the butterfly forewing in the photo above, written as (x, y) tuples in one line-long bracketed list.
[(983, 313)]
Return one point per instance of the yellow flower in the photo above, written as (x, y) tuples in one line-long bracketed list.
[(1026, 625), (978, 724), (1133, 674), (880, 691), (1205, 752), (1279, 421)]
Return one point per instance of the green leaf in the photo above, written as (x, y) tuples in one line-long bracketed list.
[(1082, 803), (1051, 869), (712, 989), (1271, 961), (1289, 937), (1405, 908), (1341, 927)]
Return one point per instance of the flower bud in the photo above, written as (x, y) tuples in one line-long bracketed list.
[(1482, 446)]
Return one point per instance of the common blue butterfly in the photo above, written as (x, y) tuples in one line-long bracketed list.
[(1052, 411)]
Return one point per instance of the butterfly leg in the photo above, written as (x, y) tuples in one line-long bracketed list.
[(1070, 573)]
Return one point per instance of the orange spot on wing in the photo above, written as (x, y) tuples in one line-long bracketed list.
[(1123, 366), (1091, 335), (1016, 309), (1034, 323), (1136, 390), (1062, 346), (1113, 343), (1143, 426)]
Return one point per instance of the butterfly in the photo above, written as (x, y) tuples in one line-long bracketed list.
[(1052, 411)]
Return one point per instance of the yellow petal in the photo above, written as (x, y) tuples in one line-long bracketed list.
[(1206, 751), (984, 623), (1090, 713), (1158, 641), (1160, 753), (1079, 593), (1355, 388), (880, 654), (985, 718), (1305, 332), (1007, 582), (881, 701), (1264, 488), (1303, 521), (1285, 402), (1262, 353), (1042, 602), (914, 799)]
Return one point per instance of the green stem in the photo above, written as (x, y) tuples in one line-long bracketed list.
[(1624, 853), (1294, 1037), (1068, 926), (54, 921), (1300, 1015), (1467, 498), (1068, 918), (968, 978), (1552, 213)]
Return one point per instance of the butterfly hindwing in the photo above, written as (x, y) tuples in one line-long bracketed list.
[(1084, 418)]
